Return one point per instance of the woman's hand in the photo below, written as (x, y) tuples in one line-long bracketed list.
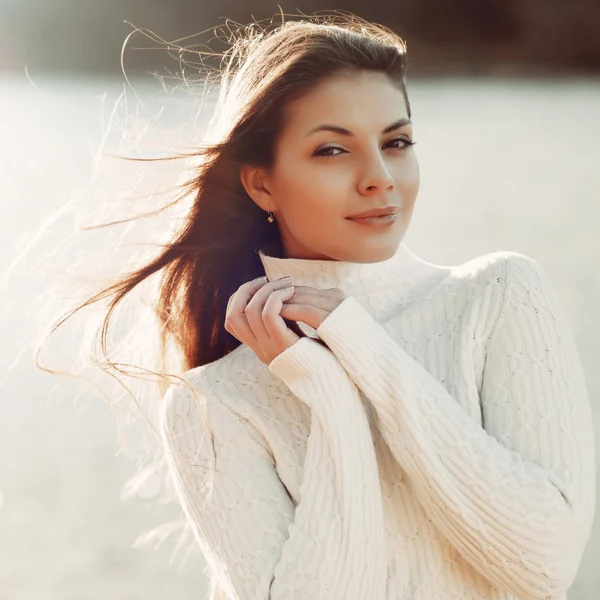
[(312, 305), (253, 317)]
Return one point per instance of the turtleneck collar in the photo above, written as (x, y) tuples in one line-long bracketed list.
[(401, 271)]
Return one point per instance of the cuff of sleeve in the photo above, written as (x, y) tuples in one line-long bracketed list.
[(304, 359), (348, 326)]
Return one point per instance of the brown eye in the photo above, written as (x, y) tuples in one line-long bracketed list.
[(322, 151), (407, 144), (405, 140)]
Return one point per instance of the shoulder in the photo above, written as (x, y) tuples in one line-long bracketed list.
[(512, 272), (183, 401), (200, 382), (491, 265), (485, 286), (530, 292), (518, 293), (498, 269), (212, 395)]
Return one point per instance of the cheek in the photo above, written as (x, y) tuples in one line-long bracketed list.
[(310, 192), (308, 210), (304, 179), (409, 178), (312, 210)]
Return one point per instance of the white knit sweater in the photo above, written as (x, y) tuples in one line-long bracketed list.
[(441, 448)]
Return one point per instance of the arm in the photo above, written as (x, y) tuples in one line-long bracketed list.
[(257, 543), (517, 498)]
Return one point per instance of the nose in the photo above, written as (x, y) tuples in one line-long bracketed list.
[(377, 176)]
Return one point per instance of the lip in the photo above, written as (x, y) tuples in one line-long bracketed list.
[(376, 212), (382, 221)]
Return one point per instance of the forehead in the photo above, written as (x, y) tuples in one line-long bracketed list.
[(360, 101)]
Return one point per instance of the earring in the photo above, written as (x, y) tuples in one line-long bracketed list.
[(271, 215)]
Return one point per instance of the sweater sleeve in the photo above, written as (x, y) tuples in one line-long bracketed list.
[(257, 542), (517, 497)]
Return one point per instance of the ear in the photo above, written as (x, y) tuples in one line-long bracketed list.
[(254, 180)]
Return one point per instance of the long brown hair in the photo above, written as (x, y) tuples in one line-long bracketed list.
[(213, 248)]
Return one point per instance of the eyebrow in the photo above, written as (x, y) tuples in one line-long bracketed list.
[(342, 131)]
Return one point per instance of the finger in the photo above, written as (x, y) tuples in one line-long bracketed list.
[(326, 301), (312, 315), (274, 325), (245, 292), (235, 317), (254, 308)]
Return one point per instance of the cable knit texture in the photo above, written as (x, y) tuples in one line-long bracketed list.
[(441, 447)]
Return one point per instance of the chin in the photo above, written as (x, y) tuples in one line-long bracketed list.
[(371, 255), (377, 250)]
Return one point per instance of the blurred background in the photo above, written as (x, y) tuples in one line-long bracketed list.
[(506, 106)]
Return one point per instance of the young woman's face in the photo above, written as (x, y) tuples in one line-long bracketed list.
[(320, 178)]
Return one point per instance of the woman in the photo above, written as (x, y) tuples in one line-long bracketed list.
[(371, 426), (439, 444)]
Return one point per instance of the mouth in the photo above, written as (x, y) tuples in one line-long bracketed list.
[(376, 212), (381, 221)]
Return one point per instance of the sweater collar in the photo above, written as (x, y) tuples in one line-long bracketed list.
[(401, 271)]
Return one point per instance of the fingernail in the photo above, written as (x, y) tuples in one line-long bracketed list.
[(287, 278), (263, 278)]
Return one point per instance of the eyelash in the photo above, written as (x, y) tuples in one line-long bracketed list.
[(408, 143)]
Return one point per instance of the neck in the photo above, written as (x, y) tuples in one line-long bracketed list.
[(402, 270)]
